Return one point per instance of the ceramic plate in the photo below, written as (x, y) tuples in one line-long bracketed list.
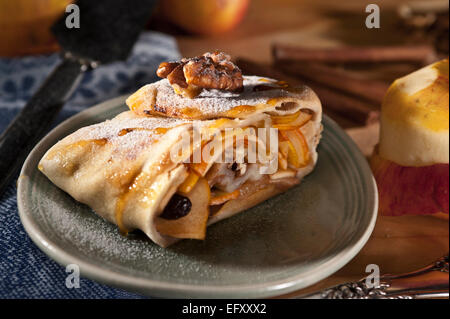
[(286, 243)]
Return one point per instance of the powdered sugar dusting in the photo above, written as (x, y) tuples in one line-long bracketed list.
[(111, 128), (213, 102), (128, 133)]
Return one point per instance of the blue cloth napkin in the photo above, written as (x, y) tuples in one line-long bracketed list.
[(25, 271)]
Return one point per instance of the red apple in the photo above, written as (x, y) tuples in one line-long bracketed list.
[(411, 190), (205, 17)]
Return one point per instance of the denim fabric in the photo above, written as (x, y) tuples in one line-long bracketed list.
[(25, 271)]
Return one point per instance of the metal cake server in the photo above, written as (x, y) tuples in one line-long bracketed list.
[(108, 31), (431, 281)]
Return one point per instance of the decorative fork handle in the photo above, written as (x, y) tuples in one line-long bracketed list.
[(431, 281)]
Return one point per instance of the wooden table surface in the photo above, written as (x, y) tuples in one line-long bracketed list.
[(398, 244)]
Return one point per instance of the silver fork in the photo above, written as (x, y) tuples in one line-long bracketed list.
[(431, 281)]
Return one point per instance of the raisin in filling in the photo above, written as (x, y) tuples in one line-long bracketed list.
[(177, 207)]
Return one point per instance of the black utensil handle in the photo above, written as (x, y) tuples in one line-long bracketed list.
[(35, 118)]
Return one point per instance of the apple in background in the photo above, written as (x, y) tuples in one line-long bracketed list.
[(25, 26), (205, 17), (411, 190), (410, 163)]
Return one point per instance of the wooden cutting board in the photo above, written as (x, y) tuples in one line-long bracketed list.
[(398, 244)]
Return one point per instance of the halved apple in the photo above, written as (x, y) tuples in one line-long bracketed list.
[(193, 225), (411, 190)]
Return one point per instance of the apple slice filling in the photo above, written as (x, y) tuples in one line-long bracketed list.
[(208, 187), (192, 223)]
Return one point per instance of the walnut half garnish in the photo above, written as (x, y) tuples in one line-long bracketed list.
[(209, 71)]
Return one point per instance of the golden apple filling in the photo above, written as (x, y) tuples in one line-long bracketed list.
[(213, 184)]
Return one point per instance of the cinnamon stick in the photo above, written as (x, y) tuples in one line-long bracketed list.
[(369, 89), (361, 112), (350, 107), (423, 54)]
